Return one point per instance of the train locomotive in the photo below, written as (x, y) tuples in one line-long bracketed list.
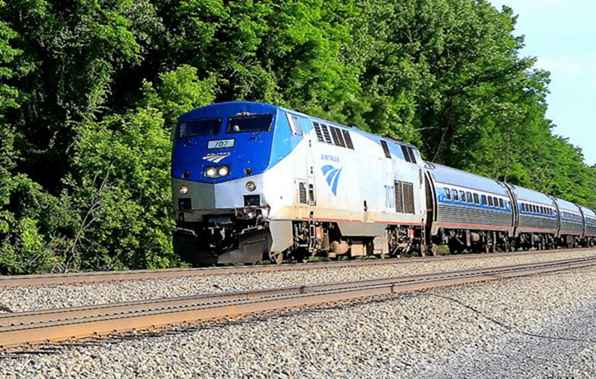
[(255, 182)]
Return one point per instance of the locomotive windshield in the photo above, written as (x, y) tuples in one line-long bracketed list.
[(198, 128), (250, 123)]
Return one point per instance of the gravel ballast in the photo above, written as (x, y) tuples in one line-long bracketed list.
[(538, 326), (37, 298)]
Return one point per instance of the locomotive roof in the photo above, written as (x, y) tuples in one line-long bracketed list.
[(266, 107), (453, 176)]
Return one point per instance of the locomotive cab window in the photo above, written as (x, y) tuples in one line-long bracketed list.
[(250, 123), (193, 128)]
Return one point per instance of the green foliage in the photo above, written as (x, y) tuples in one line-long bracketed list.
[(89, 91), (179, 92), (121, 187)]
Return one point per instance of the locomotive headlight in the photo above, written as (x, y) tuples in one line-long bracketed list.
[(211, 172), (183, 190), (223, 171), (250, 186)]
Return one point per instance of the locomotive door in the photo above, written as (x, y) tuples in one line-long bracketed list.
[(310, 173), (307, 196)]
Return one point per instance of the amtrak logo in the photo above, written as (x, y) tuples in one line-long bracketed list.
[(331, 176), (216, 157)]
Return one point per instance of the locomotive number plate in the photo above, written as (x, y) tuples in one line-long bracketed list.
[(220, 144)]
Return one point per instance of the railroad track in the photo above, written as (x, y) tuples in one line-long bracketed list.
[(81, 278), (91, 321)]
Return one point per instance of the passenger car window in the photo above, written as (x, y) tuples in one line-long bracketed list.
[(447, 193), (462, 195), (483, 200), (501, 203), (469, 197), (455, 195), (490, 201), (476, 199)]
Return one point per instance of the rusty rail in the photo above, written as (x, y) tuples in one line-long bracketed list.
[(79, 322), (81, 278)]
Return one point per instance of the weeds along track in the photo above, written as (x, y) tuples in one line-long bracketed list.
[(82, 278), (92, 321)]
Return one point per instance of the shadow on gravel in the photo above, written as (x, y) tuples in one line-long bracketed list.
[(509, 327)]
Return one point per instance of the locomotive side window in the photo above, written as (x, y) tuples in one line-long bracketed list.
[(250, 123), (348, 139), (318, 132), (410, 152), (294, 124), (198, 128), (386, 149)]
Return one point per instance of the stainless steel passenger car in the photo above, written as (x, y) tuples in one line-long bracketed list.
[(571, 223), (471, 211)]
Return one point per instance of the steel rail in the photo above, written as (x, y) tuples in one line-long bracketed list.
[(79, 322), (82, 278)]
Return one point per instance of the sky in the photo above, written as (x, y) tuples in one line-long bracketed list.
[(562, 35)]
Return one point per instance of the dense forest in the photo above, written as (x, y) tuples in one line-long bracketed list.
[(90, 89)]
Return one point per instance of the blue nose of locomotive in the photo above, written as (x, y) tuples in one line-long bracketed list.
[(223, 142)]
